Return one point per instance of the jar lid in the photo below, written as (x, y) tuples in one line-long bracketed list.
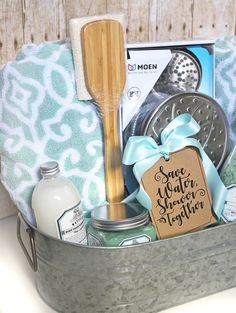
[(119, 216), (49, 168)]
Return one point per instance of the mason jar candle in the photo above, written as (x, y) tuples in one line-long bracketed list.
[(120, 224)]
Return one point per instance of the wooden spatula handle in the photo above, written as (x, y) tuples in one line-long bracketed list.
[(104, 65), (112, 156)]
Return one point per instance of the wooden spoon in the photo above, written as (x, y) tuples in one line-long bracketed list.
[(104, 66)]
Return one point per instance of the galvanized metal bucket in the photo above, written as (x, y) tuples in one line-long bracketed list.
[(145, 278)]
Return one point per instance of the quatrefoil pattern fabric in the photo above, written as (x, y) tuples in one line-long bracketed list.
[(41, 119), (225, 78)]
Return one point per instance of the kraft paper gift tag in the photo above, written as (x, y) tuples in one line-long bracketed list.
[(181, 201)]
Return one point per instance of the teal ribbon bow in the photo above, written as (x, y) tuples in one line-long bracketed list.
[(143, 152)]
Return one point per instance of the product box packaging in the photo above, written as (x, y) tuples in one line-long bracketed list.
[(155, 73), (168, 68)]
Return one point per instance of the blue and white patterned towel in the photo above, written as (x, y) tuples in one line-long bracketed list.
[(225, 78), (41, 119)]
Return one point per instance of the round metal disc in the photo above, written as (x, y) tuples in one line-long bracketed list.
[(213, 134), (183, 74)]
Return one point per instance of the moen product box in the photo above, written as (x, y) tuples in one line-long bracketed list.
[(155, 73), (166, 69)]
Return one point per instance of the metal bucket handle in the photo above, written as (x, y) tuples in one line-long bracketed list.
[(32, 260)]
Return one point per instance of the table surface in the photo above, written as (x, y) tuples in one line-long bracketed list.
[(18, 292)]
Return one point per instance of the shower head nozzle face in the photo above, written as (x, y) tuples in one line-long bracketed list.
[(182, 74)]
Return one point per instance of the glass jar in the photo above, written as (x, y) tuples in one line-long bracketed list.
[(120, 225)]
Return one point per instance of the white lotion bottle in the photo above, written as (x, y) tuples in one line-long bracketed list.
[(57, 206)]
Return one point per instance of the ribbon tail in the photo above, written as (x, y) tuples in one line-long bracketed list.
[(130, 198), (141, 196)]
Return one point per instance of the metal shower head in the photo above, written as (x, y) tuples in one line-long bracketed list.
[(182, 74)]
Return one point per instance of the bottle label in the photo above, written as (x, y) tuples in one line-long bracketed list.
[(135, 240), (71, 226)]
